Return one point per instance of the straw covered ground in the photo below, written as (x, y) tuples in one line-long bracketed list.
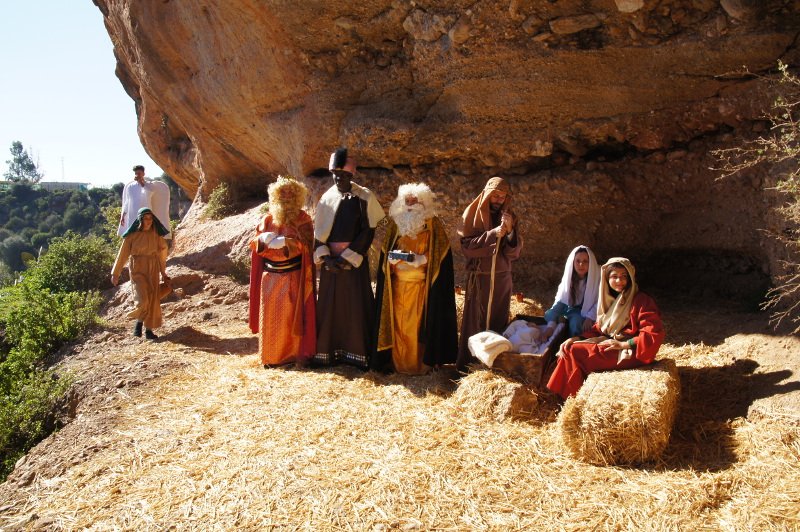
[(191, 433)]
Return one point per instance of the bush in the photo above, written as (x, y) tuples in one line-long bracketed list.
[(73, 263), (40, 240), (220, 203), (14, 224), (26, 415), (778, 149), (6, 275), (11, 250), (109, 228), (36, 323), (240, 268)]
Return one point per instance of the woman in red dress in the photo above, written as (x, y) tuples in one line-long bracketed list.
[(627, 334)]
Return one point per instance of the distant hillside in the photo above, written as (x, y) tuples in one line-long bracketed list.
[(30, 217)]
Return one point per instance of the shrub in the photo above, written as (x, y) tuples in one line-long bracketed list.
[(73, 263), (109, 228), (36, 323), (14, 224), (26, 415), (220, 203), (779, 149), (11, 250), (40, 240), (240, 267)]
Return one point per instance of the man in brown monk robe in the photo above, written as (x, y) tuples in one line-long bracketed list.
[(344, 226), (490, 242)]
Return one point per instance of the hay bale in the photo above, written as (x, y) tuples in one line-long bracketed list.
[(489, 395), (622, 417)]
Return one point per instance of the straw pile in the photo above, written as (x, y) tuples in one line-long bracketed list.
[(622, 417), (489, 395), (216, 442)]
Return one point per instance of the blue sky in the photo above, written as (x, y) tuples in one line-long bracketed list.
[(59, 95)]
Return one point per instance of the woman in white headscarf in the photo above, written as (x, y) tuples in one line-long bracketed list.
[(576, 298), (627, 334)]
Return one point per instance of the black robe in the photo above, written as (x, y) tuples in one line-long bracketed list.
[(345, 303)]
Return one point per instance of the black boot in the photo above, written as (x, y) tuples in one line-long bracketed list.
[(150, 335), (137, 330)]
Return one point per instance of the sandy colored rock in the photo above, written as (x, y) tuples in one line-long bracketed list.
[(740, 9), (243, 91), (629, 6), (568, 25)]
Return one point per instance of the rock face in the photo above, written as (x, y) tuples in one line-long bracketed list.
[(601, 113)]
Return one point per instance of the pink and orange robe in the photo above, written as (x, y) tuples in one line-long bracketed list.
[(282, 295)]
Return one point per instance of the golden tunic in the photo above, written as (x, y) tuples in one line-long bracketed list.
[(148, 255), (409, 294)]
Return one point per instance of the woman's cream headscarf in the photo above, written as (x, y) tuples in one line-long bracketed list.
[(477, 218), (614, 312)]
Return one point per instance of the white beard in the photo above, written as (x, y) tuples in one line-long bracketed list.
[(410, 220)]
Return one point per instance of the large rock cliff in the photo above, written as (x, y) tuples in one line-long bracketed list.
[(602, 113)]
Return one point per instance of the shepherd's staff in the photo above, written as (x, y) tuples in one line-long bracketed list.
[(491, 276)]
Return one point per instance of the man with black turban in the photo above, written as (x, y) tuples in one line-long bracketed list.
[(344, 226)]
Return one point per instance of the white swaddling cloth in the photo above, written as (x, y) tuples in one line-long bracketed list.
[(527, 337), (486, 345)]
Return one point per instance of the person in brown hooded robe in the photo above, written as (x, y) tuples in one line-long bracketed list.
[(143, 243), (490, 242)]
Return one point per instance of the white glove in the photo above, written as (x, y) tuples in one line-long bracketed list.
[(419, 260), (277, 243), (266, 238)]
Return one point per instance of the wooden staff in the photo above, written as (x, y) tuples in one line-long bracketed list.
[(491, 276)]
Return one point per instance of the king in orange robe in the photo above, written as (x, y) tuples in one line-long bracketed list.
[(282, 297)]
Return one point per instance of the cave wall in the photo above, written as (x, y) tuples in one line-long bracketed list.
[(601, 113)]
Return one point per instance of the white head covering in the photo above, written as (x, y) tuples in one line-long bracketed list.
[(589, 308)]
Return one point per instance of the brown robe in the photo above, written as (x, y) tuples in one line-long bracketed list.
[(148, 256), (478, 248)]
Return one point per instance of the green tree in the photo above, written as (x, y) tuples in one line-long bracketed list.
[(21, 166), (73, 263), (11, 252)]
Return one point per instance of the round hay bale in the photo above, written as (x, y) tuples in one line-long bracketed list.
[(486, 394), (622, 417)]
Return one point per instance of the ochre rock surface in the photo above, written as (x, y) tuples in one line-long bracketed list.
[(600, 112)]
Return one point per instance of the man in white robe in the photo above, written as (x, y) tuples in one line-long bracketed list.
[(143, 192)]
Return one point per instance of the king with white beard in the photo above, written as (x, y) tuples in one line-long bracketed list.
[(416, 303)]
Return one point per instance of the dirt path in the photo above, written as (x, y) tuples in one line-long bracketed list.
[(191, 433)]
